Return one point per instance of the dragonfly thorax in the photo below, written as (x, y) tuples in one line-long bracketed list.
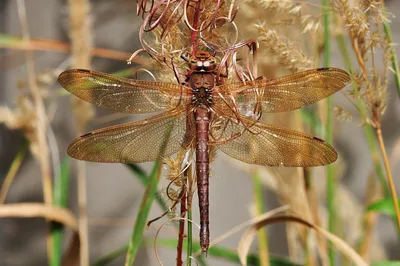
[(202, 85)]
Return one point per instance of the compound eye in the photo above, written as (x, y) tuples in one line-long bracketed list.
[(199, 63), (207, 64)]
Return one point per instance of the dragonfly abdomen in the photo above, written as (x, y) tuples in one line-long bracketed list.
[(202, 117)]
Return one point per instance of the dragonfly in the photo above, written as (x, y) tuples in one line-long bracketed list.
[(202, 114)]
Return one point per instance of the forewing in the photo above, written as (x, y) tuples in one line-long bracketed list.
[(122, 94), (263, 144), (142, 141), (282, 94)]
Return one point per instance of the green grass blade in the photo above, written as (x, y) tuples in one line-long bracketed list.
[(139, 172), (384, 206), (260, 209), (395, 63), (60, 191), (386, 263), (143, 178), (141, 220), (108, 258), (227, 254), (329, 133)]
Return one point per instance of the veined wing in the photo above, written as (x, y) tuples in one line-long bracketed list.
[(141, 141), (282, 94), (122, 94), (270, 145)]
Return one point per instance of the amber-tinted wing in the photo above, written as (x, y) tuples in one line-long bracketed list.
[(122, 94), (270, 145), (142, 141), (283, 94)]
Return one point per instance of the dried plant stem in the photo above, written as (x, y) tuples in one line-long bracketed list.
[(313, 202), (41, 120), (181, 234), (368, 129), (395, 63), (331, 183), (370, 218), (262, 233), (389, 174), (16, 163), (15, 43), (40, 109), (80, 34)]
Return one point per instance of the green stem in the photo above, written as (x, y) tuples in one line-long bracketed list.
[(60, 198), (329, 133), (395, 64)]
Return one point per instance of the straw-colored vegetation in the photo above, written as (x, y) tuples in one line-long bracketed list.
[(326, 223)]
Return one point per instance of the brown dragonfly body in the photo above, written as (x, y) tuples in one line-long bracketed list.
[(201, 81), (201, 114)]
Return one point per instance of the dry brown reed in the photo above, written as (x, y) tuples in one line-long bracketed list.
[(80, 26)]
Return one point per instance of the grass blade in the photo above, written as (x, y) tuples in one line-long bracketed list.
[(108, 258), (395, 63), (329, 133), (227, 254), (385, 206), (144, 179), (262, 233), (60, 194), (16, 163), (141, 220), (387, 263)]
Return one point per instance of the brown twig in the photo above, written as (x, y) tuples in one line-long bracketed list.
[(57, 46), (81, 37), (41, 119), (392, 187)]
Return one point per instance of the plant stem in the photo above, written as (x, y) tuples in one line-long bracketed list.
[(181, 233), (395, 63), (330, 193), (368, 129), (262, 233), (80, 33), (15, 165), (41, 122), (389, 175)]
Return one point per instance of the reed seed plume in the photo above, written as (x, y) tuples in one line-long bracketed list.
[(286, 53), (22, 117)]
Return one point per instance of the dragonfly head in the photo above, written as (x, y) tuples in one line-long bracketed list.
[(202, 61)]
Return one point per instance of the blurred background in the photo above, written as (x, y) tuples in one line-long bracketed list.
[(114, 194)]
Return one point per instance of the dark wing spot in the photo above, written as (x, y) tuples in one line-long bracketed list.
[(86, 135), (84, 70), (320, 140)]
